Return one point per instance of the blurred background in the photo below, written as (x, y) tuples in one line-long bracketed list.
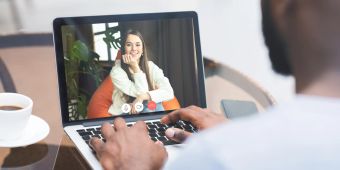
[(230, 29)]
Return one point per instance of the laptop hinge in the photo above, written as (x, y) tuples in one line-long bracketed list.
[(129, 119)]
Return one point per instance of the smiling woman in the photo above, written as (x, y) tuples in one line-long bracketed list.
[(137, 80)]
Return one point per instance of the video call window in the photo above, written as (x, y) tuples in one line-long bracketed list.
[(129, 68)]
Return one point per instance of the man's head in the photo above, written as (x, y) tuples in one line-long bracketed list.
[(302, 35), (276, 44)]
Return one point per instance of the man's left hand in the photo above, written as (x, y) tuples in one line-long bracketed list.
[(128, 147)]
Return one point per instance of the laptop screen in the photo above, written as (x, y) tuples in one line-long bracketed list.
[(128, 65)]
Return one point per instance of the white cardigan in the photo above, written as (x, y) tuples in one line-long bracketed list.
[(123, 85)]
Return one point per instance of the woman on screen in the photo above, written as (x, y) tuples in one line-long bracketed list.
[(136, 80)]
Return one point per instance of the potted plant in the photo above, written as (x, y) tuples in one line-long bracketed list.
[(81, 65)]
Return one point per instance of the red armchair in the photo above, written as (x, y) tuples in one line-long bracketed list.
[(101, 100)]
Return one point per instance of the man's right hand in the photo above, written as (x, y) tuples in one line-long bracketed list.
[(200, 118)]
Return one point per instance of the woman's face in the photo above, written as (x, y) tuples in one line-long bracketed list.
[(134, 46)]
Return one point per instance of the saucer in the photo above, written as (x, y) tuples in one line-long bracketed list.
[(36, 130)]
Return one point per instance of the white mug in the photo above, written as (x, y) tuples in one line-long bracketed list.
[(15, 111)]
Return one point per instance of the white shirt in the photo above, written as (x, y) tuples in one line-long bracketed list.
[(123, 85), (302, 134)]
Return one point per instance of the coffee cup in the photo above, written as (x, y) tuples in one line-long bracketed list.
[(15, 111)]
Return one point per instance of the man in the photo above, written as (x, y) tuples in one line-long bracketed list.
[(303, 38)]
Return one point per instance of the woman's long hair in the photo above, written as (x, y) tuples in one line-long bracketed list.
[(143, 62)]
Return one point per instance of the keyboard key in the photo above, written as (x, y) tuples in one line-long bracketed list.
[(162, 125), (170, 142), (181, 122), (187, 127), (162, 138), (193, 127), (152, 126), (85, 133), (87, 141), (191, 131), (161, 133), (90, 129), (97, 132), (81, 130), (161, 129), (148, 123), (186, 122), (152, 131), (97, 136), (157, 122), (154, 139), (153, 135), (171, 124), (178, 126), (129, 125), (86, 137), (98, 129)]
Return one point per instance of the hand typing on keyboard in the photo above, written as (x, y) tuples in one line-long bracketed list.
[(198, 117), (128, 147), (125, 146)]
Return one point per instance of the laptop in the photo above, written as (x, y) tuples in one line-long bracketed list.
[(100, 80)]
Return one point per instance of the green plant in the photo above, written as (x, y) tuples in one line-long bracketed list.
[(81, 62), (84, 73)]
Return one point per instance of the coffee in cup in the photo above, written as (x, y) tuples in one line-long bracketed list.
[(8, 108), (15, 111)]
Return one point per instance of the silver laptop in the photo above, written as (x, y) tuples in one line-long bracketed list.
[(106, 63)]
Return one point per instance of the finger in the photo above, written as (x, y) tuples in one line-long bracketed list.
[(128, 59), (160, 149), (96, 144), (106, 161), (196, 108), (180, 114), (124, 58), (107, 130), (159, 143), (131, 58), (141, 125), (177, 135), (119, 123)]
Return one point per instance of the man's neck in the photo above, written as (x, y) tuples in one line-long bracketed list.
[(327, 84)]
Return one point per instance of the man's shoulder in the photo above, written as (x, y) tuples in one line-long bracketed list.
[(283, 120), (304, 131), (288, 126)]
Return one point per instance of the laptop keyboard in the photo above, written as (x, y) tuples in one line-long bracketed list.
[(156, 131)]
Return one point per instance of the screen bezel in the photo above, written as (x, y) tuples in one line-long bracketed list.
[(57, 37)]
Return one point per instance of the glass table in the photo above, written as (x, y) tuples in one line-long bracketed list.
[(30, 62)]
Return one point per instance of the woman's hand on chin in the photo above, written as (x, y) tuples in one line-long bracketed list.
[(132, 62)]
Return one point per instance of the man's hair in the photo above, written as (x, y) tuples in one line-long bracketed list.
[(277, 47)]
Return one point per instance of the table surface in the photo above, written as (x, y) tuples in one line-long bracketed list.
[(33, 70)]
